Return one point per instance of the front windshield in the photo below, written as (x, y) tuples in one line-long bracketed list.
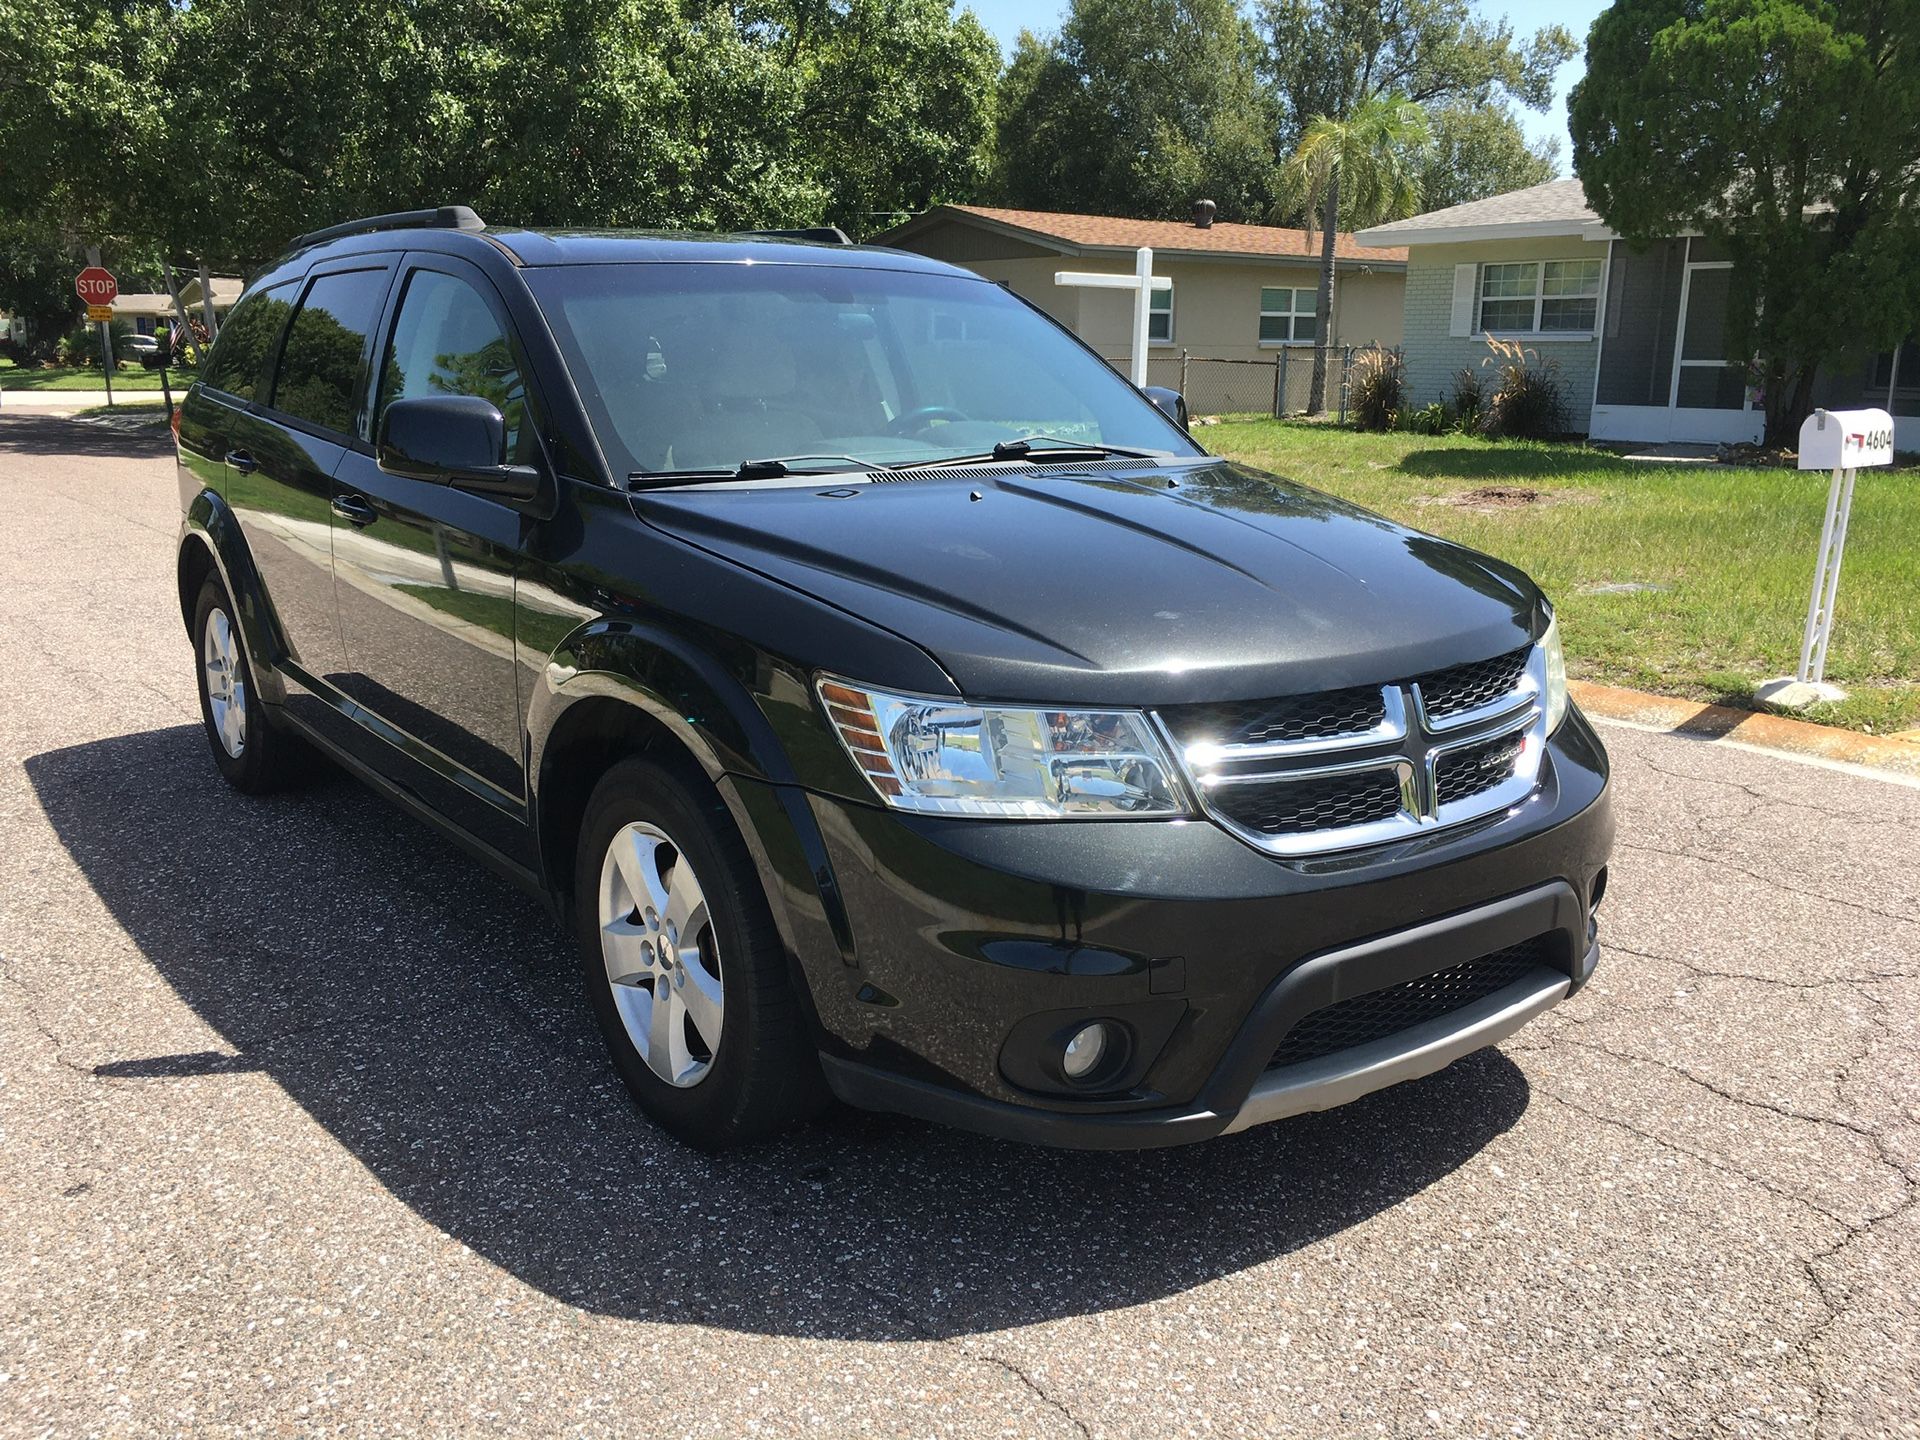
[(704, 366)]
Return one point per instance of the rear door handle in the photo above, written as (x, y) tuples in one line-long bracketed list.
[(242, 461), (354, 510)]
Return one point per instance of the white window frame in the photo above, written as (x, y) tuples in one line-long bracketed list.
[(1290, 316), (1540, 297), (1154, 311)]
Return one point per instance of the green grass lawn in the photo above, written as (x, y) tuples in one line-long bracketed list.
[(1731, 552), (129, 377)]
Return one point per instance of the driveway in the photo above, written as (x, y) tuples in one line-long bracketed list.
[(303, 1129)]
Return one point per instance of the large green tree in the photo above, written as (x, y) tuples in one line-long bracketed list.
[(1328, 57), (1480, 150), (1138, 107), (1788, 131), (1360, 170)]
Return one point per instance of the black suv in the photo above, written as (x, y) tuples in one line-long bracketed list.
[(898, 704)]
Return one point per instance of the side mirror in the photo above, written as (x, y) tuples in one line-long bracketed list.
[(1170, 403), (458, 440)]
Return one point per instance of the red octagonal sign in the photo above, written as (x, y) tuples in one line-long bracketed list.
[(97, 285)]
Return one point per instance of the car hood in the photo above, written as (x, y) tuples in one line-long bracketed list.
[(1143, 587)]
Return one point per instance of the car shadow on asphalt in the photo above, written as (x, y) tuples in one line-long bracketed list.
[(427, 1015), (39, 433)]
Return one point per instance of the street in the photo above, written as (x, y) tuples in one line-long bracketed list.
[(304, 1129)]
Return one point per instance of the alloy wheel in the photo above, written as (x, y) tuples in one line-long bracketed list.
[(661, 953), (226, 682)]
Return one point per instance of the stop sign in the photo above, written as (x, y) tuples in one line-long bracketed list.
[(97, 285)]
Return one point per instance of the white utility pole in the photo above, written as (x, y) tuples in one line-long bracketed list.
[(1142, 282)]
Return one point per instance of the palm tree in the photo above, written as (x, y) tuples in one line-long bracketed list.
[(1362, 167)]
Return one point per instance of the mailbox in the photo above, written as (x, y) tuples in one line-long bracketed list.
[(1846, 439)]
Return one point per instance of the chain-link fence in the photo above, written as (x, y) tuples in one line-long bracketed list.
[(1280, 385)]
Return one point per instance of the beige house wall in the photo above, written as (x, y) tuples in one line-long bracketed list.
[(1216, 303)]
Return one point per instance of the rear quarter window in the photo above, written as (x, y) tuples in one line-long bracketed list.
[(320, 376), (240, 356)]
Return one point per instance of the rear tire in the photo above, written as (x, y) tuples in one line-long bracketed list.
[(252, 754), (682, 963)]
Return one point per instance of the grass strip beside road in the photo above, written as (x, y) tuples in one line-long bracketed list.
[(1683, 579), (73, 377)]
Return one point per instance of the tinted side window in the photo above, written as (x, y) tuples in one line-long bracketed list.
[(319, 378), (446, 342), (239, 360)]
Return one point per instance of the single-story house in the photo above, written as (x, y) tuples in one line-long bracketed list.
[(1240, 292), (1640, 334), (148, 310)]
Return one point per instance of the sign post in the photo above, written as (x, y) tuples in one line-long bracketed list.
[(1841, 441), (99, 289), (1142, 282)]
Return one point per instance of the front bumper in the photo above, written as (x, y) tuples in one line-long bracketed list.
[(975, 942)]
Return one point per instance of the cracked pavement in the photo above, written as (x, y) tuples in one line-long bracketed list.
[(303, 1129)]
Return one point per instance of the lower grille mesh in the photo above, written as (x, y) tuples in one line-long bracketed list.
[(1472, 769), (1365, 1018)]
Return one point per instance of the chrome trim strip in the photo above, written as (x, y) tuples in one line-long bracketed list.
[(1346, 1075), (1528, 692), (1303, 772), (1393, 726)]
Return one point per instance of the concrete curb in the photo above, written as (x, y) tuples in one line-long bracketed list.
[(1899, 754)]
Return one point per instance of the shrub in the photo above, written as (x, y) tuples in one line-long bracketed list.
[(1433, 418), (1374, 389), (1526, 401), (81, 345), (1469, 401)]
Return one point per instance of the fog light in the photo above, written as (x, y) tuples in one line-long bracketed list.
[(1084, 1051)]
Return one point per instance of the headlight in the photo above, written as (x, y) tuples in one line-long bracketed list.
[(1556, 675), (950, 757)]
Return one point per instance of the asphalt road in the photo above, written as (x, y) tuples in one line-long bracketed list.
[(303, 1130)]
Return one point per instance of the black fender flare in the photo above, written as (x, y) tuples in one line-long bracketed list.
[(210, 523), (688, 695)]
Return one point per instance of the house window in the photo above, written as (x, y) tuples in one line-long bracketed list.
[(1907, 377), (1540, 297), (1289, 316), (1160, 316)]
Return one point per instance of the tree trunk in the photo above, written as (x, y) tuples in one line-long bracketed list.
[(1329, 234), (1789, 402)]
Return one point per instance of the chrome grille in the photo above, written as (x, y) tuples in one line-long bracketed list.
[(1292, 717), (1461, 689), (1304, 807), (1310, 774)]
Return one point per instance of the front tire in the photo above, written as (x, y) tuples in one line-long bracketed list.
[(683, 967), (252, 756)]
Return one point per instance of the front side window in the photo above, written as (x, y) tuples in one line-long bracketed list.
[(704, 365), (1160, 316), (1552, 296), (319, 379), (241, 354), (1289, 316), (446, 341)]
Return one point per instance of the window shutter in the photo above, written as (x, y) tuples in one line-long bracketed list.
[(1465, 277)]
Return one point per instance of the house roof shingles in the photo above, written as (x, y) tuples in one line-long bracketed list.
[(1558, 205), (1108, 232)]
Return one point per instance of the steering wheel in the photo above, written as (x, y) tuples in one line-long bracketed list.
[(915, 421)]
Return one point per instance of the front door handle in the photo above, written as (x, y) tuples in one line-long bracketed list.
[(354, 510), (242, 461)]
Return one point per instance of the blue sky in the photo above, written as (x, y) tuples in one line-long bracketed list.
[(1006, 18)]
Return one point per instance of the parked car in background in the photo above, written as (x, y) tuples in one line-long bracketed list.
[(896, 703)]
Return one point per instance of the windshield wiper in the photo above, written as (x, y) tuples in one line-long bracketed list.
[(1048, 448), (771, 468)]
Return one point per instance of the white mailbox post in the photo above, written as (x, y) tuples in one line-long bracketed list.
[(1841, 441), (1142, 282)]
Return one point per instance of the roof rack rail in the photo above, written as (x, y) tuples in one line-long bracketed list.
[(820, 234), (444, 217)]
